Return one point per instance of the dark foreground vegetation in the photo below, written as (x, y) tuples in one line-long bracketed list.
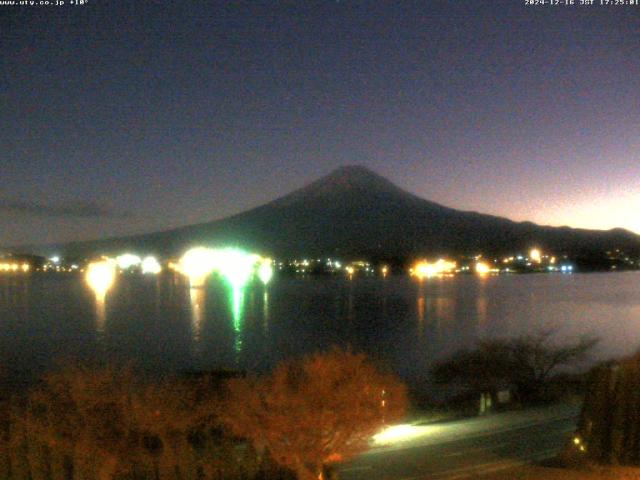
[(609, 429), (522, 371), (83, 423)]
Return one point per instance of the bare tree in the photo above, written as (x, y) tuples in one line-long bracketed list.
[(525, 362), (314, 412), (536, 357)]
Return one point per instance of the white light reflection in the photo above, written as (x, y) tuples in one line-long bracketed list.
[(100, 276), (421, 311), (265, 311), (197, 297)]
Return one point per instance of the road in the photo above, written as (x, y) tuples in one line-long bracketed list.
[(465, 448)]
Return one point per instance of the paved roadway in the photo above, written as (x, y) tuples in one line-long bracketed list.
[(465, 448)]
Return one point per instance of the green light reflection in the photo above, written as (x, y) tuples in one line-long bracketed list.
[(238, 316)]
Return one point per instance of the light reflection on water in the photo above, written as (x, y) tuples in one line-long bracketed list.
[(101, 312), (197, 297), (164, 325), (265, 312), (237, 298)]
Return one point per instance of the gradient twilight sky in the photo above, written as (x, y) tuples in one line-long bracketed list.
[(122, 117)]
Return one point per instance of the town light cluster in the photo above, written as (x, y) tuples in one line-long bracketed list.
[(424, 269), (236, 266), (14, 267), (535, 261)]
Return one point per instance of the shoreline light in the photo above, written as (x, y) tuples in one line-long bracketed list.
[(150, 265), (100, 276), (197, 264), (535, 255), (128, 260), (265, 271), (236, 266), (424, 269), (482, 268)]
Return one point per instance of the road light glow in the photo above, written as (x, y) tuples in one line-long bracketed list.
[(402, 433)]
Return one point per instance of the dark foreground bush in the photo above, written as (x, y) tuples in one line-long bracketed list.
[(86, 424), (105, 424), (316, 411), (609, 428)]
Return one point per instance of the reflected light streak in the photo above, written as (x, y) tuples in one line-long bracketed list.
[(237, 312), (421, 316), (101, 313), (197, 297), (481, 311), (100, 276), (265, 311)]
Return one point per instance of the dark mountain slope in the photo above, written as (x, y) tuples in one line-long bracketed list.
[(355, 212)]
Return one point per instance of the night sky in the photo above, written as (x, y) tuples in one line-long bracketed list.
[(123, 117)]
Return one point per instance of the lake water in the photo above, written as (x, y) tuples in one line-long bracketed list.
[(161, 324)]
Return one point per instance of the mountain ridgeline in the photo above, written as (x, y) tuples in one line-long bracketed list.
[(353, 212)]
